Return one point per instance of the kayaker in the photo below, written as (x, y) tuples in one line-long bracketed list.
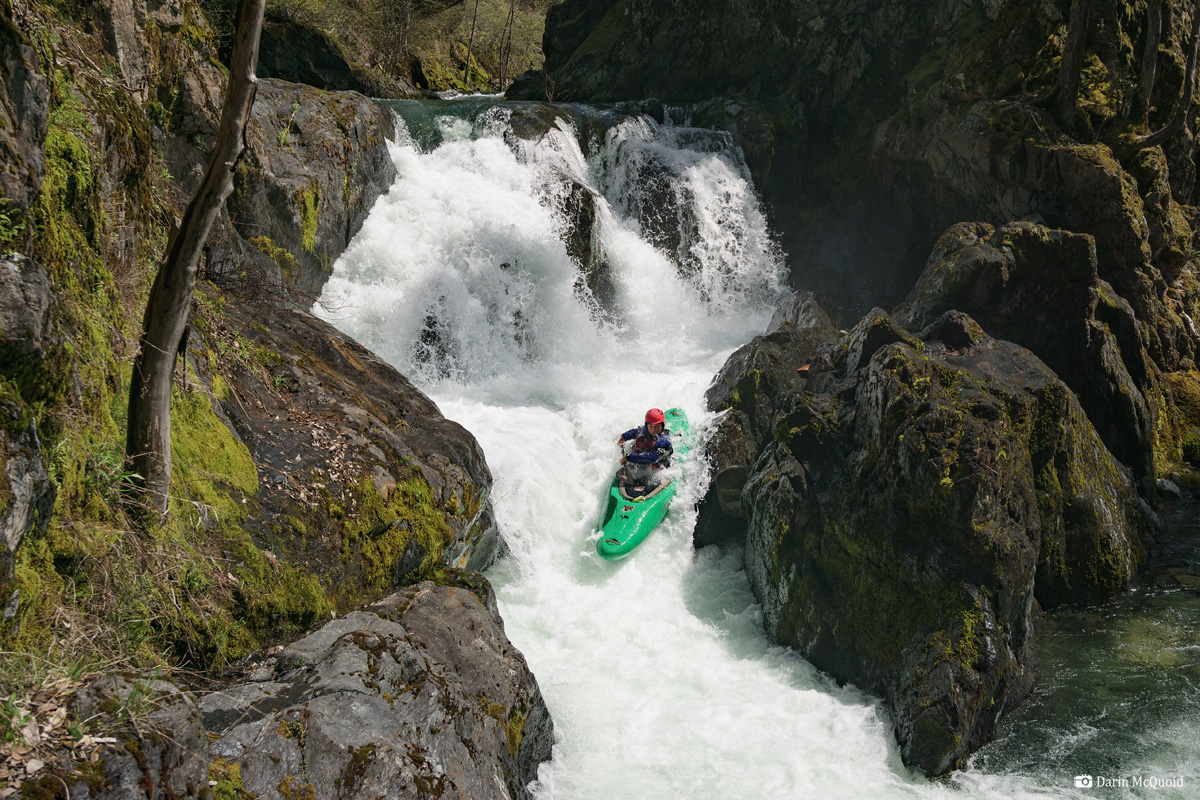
[(651, 452)]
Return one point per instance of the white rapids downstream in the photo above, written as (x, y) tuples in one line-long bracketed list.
[(656, 669)]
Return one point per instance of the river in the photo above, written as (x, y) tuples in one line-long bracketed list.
[(656, 669)]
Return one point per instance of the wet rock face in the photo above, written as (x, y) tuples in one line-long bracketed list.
[(316, 163), (1040, 288), (419, 695), (299, 54), (338, 434), (908, 500)]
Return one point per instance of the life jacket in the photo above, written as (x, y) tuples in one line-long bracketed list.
[(646, 441)]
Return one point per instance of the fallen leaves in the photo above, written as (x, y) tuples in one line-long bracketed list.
[(36, 730)]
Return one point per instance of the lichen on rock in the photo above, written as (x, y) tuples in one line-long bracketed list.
[(394, 699)]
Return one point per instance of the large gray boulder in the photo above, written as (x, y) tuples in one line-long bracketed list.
[(909, 502), (419, 695), (315, 165), (160, 749)]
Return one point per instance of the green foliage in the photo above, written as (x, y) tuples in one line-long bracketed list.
[(309, 202), (10, 227), (12, 720), (106, 471), (286, 261), (284, 136)]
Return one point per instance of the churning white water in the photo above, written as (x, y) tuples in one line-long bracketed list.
[(656, 670)]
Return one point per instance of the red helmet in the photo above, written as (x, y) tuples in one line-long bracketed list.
[(655, 416)]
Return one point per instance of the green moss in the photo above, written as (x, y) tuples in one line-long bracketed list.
[(292, 729), (210, 465), (383, 530), (274, 601), (308, 201), (286, 261), (290, 788), (1096, 91), (356, 767), (227, 776), (515, 731), (965, 652), (15, 414), (746, 390)]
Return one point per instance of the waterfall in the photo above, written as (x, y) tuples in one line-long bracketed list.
[(546, 275)]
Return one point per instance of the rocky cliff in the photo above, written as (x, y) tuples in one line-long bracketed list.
[(308, 476), (943, 160)]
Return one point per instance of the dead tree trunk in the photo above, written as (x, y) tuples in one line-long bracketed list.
[(148, 440), (1150, 56), (1066, 87), (1184, 104), (506, 43), (470, 47)]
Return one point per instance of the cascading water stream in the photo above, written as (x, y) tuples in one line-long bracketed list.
[(544, 289)]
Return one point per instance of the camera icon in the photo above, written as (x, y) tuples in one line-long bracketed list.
[(1083, 781)]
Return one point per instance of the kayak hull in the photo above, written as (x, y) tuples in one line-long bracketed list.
[(626, 523)]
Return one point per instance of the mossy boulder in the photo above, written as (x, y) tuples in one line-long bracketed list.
[(1041, 289), (418, 695), (361, 479), (316, 163), (911, 501)]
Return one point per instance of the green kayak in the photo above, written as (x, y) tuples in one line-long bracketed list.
[(628, 521)]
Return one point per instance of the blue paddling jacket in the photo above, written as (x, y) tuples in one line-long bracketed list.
[(647, 449)]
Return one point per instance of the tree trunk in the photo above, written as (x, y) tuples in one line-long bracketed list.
[(1150, 56), (148, 440), (1066, 87), (506, 42), (1184, 104), (470, 47)]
